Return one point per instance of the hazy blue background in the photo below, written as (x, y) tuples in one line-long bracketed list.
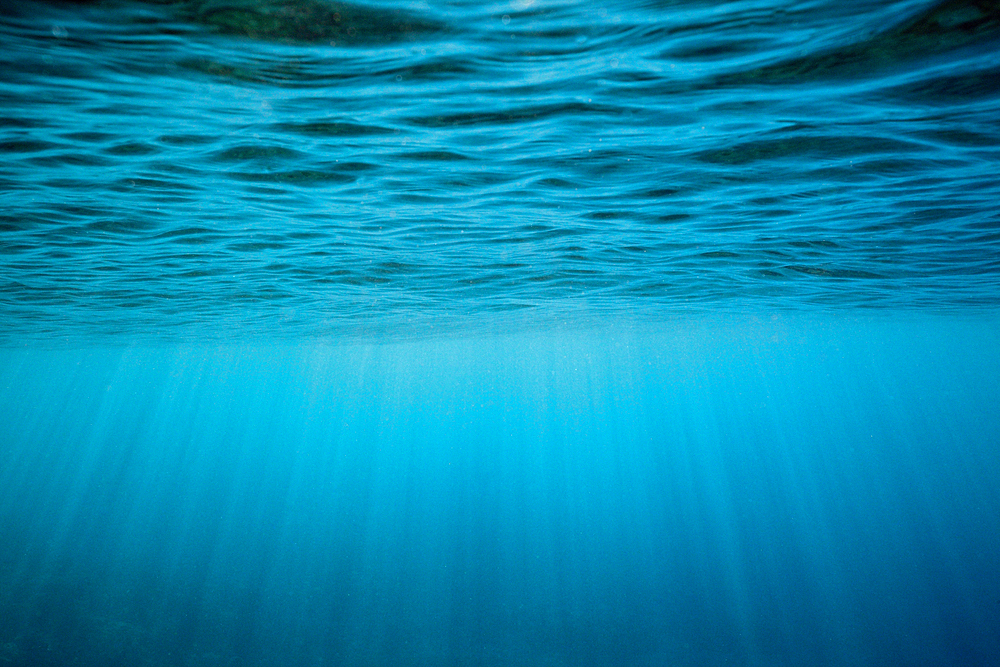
[(534, 333), (732, 492)]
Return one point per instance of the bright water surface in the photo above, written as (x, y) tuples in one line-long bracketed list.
[(539, 333), (554, 159)]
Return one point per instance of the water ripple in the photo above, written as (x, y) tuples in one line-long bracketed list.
[(206, 170)]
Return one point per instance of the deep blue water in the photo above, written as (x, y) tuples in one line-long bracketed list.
[(536, 333)]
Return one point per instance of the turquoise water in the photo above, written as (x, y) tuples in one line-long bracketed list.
[(532, 333), (548, 161), (771, 492)]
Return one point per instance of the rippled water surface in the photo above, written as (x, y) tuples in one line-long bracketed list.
[(289, 169)]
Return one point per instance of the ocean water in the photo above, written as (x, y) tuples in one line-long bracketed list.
[(538, 333)]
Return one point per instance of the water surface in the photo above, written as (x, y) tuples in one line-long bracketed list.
[(212, 170)]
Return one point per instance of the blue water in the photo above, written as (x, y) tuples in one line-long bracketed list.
[(541, 333)]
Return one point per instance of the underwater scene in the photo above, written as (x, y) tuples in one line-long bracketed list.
[(538, 333)]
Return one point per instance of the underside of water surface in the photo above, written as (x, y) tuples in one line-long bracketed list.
[(217, 170)]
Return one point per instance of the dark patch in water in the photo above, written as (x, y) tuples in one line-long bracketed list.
[(314, 21), (949, 25)]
